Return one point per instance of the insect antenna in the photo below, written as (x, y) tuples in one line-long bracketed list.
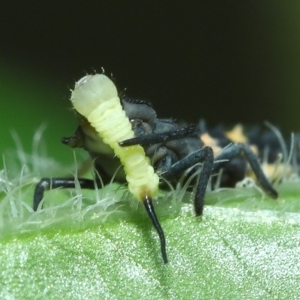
[(151, 213)]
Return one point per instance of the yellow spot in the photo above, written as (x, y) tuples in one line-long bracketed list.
[(272, 171), (211, 142), (236, 134), (254, 149)]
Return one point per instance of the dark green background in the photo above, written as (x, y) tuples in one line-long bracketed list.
[(226, 61)]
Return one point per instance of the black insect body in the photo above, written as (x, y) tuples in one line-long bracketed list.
[(278, 158), (180, 148), (172, 151)]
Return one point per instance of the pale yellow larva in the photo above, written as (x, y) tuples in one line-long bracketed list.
[(96, 98)]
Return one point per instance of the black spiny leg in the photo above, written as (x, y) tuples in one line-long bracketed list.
[(205, 156), (239, 149), (154, 138), (151, 213), (52, 183)]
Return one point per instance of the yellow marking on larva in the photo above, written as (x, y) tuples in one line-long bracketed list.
[(236, 134), (211, 142), (96, 98), (273, 172), (254, 149)]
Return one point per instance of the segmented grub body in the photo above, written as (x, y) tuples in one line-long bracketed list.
[(96, 98)]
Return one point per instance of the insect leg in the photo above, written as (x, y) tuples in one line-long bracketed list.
[(204, 155), (46, 184), (239, 149), (151, 213), (155, 138)]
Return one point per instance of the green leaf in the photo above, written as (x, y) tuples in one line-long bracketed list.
[(248, 252)]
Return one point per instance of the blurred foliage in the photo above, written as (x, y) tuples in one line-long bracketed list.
[(27, 104)]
